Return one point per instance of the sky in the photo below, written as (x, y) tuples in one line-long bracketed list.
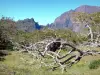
[(43, 11)]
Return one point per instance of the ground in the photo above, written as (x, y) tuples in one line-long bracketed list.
[(23, 64)]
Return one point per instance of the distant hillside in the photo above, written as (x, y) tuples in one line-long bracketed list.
[(28, 25), (65, 20)]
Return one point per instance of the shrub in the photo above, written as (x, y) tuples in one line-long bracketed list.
[(5, 43), (6, 29), (94, 64)]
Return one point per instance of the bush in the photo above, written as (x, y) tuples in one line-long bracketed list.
[(94, 64), (39, 35), (5, 43)]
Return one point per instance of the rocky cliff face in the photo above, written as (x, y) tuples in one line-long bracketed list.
[(65, 20), (28, 25)]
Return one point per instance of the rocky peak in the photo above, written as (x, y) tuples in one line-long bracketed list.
[(65, 20), (88, 9)]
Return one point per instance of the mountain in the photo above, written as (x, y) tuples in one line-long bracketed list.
[(88, 9), (28, 25), (65, 20)]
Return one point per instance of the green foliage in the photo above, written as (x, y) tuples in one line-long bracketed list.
[(6, 30), (8, 24), (10, 31), (92, 19), (40, 35), (95, 21), (94, 64), (5, 43)]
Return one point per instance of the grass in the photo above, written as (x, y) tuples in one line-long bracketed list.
[(24, 64), (94, 64)]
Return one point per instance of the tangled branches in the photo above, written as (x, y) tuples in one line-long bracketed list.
[(49, 52)]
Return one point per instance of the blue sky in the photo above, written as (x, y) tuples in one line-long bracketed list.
[(43, 11)]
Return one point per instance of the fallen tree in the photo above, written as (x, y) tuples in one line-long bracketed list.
[(51, 49)]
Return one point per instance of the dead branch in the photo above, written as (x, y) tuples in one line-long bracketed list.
[(47, 49)]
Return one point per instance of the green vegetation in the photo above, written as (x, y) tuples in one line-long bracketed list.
[(94, 64), (5, 42), (91, 19), (24, 64), (40, 35)]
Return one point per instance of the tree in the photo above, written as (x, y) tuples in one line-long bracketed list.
[(92, 22), (7, 28)]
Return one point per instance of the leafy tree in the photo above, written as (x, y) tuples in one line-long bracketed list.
[(92, 22), (7, 29)]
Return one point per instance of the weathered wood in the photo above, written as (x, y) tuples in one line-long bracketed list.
[(52, 48)]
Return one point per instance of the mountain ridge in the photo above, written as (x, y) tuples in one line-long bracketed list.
[(28, 25), (65, 19)]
